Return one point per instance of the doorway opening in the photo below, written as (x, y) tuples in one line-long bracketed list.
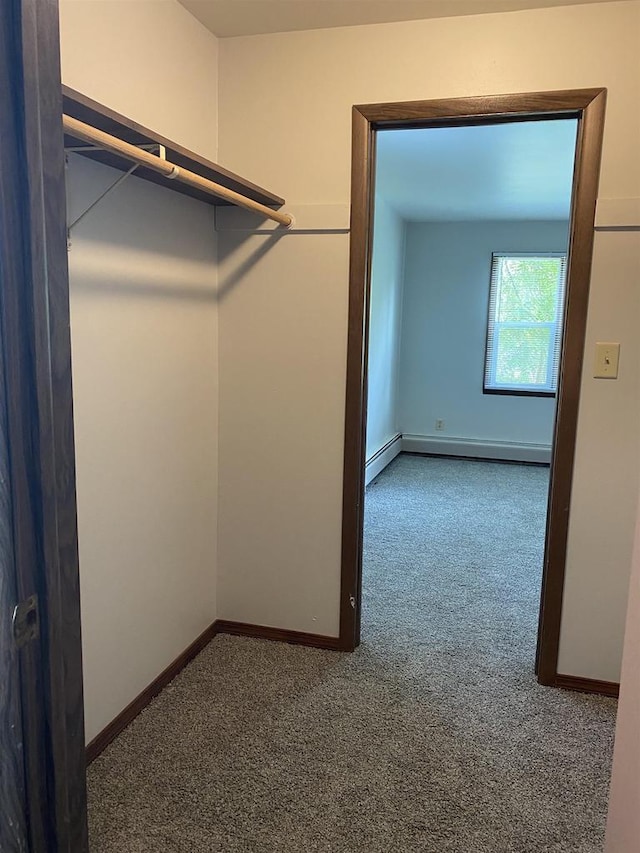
[(531, 356)]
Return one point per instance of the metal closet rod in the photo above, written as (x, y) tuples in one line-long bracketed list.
[(80, 130)]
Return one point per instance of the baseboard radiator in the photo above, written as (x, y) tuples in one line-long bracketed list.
[(379, 461), (472, 448)]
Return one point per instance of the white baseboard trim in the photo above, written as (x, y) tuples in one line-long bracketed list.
[(510, 451), (382, 458)]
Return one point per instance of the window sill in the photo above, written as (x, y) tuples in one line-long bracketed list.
[(512, 392)]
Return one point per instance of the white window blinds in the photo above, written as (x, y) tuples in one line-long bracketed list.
[(524, 329)]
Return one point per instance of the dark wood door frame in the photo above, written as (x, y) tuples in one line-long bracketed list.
[(34, 302), (587, 106)]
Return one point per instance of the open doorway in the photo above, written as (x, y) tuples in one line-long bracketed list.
[(563, 251), (466, 309)]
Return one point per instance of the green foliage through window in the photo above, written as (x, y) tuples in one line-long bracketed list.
[(524, 331)]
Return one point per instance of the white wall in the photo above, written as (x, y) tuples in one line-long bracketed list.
[(385, 320), (144, 347), (281, 563), (444, 332)]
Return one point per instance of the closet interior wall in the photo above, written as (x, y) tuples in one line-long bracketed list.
[(144, 315)]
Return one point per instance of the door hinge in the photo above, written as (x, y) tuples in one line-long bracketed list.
[(25, 621)]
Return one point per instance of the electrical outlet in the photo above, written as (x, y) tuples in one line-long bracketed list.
[(439, 425)]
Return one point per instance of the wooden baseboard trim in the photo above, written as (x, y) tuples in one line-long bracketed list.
[(102, 740), (263, 632), (587, 685), (221, 626)]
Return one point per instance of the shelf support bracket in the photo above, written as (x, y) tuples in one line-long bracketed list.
[(161, 152), (93, 204)]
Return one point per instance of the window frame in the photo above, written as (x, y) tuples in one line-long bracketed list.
[(526, 391)]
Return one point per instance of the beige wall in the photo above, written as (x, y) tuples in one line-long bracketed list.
[(285, 103), (144, 346), (282, 344), (623, 827), (147, 59), (605, 488)]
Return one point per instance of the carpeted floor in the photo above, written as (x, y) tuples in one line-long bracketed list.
[(432, 737)]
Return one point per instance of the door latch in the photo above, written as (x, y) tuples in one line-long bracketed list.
[(25, 621)]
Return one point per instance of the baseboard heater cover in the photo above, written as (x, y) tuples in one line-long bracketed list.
[(477, 448), (382, 458)]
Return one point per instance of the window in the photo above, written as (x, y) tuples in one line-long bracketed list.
[(524, 332)]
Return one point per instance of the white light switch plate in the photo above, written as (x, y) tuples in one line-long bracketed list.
[(606, 361)]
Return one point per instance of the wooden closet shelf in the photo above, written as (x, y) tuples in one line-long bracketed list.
[(91, 112)]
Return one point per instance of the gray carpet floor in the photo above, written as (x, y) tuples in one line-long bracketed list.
[(434, 736)]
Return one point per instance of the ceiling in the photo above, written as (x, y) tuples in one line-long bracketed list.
[(227, 18), (518, 170)]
